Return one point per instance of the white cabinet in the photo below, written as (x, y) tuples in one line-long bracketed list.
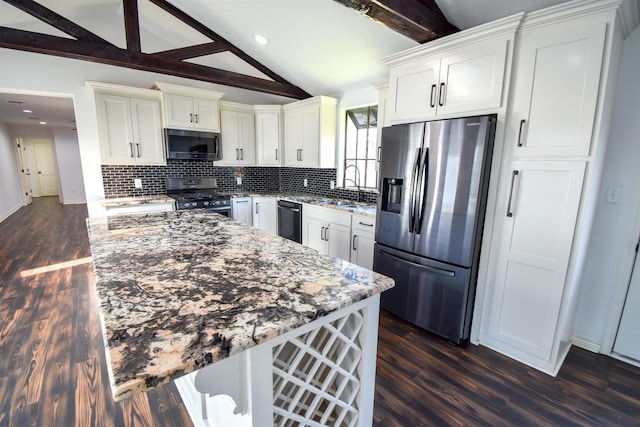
[(310, 133), (265, 214), (189, 108), (327, 230), (238, 136), (466, 79), (241, 209), (556, 90), (268, 135), (536, 242), (362, 240), (130, 130)]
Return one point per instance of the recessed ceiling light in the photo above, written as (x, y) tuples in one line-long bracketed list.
[(27, 111), (260, 39), (43, 123)]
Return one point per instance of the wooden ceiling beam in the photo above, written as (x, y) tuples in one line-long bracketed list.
[(59, 22), (107, 54), (420, 20), (131, 25), (193, 51)]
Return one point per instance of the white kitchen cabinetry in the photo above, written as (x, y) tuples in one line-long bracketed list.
[(452, 76), (268, 134), (327, 230), (362, 240), (130, 130), (241, 209), (238, 135), (556, 90), (310, 133), (190, 108), (265, 214)]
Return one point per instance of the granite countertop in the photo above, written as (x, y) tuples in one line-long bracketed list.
[(136, 200), (181, 290)]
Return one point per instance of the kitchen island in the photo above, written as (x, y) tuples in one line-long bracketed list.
[(255, 329)]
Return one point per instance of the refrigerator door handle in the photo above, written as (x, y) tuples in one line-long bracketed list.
[(513, 178), (415, 175), (448, 273), (424, 182)]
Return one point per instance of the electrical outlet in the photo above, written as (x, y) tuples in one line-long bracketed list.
[(239, 180), (137, 183), (305, 182), (332, 185)]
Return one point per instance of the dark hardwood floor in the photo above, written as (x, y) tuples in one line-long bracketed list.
[(53, 371)]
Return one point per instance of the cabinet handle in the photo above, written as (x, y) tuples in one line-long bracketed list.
[(131, 149), (513, 178), (433, 96), (257, 208), (321, 233), (190, 117), (196, 118), (326, 233), (241, 154), (276, 154), (520, 133), (241, 201), (441, 95), (137, 149), (365, 224), (237, 155), (378, 155), (353, 242)]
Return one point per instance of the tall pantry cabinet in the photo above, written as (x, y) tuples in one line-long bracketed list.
[(565, 62)]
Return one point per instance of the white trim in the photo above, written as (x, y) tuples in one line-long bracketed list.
[(585, 344), (187, 91), (11, 212), (114, 89)]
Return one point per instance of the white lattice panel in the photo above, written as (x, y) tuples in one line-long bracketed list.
[(315, 375)]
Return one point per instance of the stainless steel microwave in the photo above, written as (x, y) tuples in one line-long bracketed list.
[(192, 145)]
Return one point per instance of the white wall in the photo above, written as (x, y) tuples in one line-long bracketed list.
[(69, 165), (10, 199), (614, 234)]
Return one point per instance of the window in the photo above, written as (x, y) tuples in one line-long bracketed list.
[(360, 148)]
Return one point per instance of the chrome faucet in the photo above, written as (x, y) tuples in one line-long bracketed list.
[(357, 177)]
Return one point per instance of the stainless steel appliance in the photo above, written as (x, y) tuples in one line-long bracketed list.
[(290, 220), (198, 193), (193, 145), (434, 178)]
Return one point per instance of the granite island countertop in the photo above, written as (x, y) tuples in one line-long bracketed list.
[(181, 290)]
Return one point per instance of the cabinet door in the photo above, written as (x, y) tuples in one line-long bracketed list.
[(147, 131), (116, 133), (471, 79), (534, 254), (309, 155), (556, 91), (241, 210), (247, 139), (230, 136), (205, 115), (413, 90), (339, 241), (313, 234), (269, 152), (265, 214), (293, 137), (179, 112), (362, 248)]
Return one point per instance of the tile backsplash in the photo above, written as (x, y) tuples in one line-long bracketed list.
[(119, 179)]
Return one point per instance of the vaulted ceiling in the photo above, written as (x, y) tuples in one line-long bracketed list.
[(315, 47)]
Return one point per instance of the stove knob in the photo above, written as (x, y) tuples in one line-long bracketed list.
[(206, 203)]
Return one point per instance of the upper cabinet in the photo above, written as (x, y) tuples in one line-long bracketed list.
[(268, 135), (189, 108), (129, 125), (310, 133), (237, 134), (556, 90), (459, 74)]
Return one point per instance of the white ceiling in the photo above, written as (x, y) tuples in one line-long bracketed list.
[(319, 45)]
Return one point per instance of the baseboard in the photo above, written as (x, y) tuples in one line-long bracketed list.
[(8, 214), (585, 344), (74, 202)]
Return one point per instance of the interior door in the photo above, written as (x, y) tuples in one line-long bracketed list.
[(45, 167), (627, 341), (23, 167)]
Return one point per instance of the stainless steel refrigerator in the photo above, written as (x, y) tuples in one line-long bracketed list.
[(434, 179)]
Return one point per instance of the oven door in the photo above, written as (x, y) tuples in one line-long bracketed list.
[(222, 210)]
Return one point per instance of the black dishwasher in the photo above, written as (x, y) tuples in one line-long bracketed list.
[(290, 220)]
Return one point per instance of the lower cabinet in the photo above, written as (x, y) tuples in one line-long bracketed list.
[(362, 240), (241, 210), (265, 214), (327, 230)]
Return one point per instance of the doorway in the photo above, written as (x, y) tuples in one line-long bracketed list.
[(40, 176)]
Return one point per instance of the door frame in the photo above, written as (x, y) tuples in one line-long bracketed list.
[(21, 160)]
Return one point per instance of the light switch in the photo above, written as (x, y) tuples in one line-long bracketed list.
[(613, 195), (305, 182), (137, 183), (239, 180)]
